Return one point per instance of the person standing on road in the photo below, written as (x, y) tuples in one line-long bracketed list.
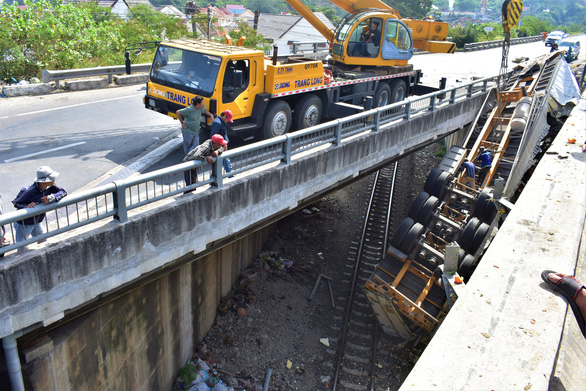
[(190, 118), (469, 177), (485, 164), (219, 127), (205, 151), (42, 191)]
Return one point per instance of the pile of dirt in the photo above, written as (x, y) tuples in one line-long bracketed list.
[(268, 323)]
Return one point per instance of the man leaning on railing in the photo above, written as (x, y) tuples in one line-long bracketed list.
[(44, 191)]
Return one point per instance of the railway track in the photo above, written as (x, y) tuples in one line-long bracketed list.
[(354, 367)]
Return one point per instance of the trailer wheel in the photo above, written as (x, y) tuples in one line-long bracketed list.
[(308, 112), (425, 213), (410, 240), (382, 96), (277, 119), (478, 237), (484, 208), (417, 204), (468, 233), (404, 227), (429, 182), (398, 91), (441, 183), (466, 267)]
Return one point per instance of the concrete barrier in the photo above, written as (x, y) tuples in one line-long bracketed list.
[(28, 89), (86, 84), (127, 80)]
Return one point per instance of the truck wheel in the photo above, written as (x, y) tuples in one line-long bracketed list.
[(382, 96), (277, 119), (307, 112), (398, 91)]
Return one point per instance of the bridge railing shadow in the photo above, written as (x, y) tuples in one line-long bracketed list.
[(113, 201)]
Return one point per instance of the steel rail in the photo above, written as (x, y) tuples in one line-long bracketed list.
[(373, 212)]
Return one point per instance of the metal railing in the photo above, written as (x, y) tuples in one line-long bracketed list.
[(312, 47), (110, 71), (113, 201), (493, 44)]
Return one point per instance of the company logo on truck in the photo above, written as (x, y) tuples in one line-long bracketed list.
[(285, 84), (284, 70), (309, 82), (169, 95)]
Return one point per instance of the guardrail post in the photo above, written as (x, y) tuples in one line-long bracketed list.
[(408, 111), (377, 120), (287, 144), (453, 96), (338, 133), (315, 47), (294, 48), (110, 79), (217, 165), (432, 103), (485, 85), (469, 93), (120, 203)]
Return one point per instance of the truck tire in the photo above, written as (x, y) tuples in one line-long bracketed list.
[(308, 112), (398, 91), (277, 119), (382, 96)]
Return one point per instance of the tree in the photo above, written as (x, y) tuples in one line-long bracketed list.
[(415, 9), (467, 5)]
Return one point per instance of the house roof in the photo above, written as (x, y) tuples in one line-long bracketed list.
[(171, 10), (275, 26)]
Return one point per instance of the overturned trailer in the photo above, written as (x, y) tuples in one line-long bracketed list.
[(450, 224)]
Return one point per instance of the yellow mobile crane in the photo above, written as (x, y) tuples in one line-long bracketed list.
[(390, 43), (269, 97)]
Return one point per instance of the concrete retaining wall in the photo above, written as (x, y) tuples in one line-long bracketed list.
[(139, 340)]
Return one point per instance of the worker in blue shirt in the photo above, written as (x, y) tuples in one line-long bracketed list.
[(469, 176), (485, 164), (219, 127)]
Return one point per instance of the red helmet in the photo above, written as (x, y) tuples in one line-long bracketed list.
[(218, 139)]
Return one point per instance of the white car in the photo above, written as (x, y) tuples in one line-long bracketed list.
[(554, 36), (571, 47)]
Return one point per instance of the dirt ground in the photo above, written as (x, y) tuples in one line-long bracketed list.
[(268, 321)]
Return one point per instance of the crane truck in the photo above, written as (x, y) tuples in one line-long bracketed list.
[(269, 97)]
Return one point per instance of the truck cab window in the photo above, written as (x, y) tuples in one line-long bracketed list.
[(236, 79)]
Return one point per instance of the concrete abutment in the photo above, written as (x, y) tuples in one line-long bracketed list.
[(138, 340)]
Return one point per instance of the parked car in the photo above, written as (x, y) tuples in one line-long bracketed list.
[(571, 47), (554, 36)]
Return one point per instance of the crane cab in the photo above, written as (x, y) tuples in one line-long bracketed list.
[(372, 38)]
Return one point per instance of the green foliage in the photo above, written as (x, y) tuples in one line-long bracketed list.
[(253, 39), (467, 5), (417, 9), (465, 34), (188, 373), (530, 25), (65, 36)]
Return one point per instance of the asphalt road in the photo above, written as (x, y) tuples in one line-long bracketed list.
[(83, 135), (89, 135)]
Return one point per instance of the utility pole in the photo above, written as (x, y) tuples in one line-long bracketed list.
[(209, 23)]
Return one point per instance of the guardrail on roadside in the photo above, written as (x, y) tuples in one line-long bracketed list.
[(115, 199), (110, 71), (493, 44)]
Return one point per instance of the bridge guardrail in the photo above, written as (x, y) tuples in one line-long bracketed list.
[(116, 199), (110, 71), (468, 47)]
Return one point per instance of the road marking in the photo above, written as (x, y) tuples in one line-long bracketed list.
[(42, 152), (68, 107)]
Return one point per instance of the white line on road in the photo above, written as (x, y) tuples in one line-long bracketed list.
[(68, 107), (42, 152)]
